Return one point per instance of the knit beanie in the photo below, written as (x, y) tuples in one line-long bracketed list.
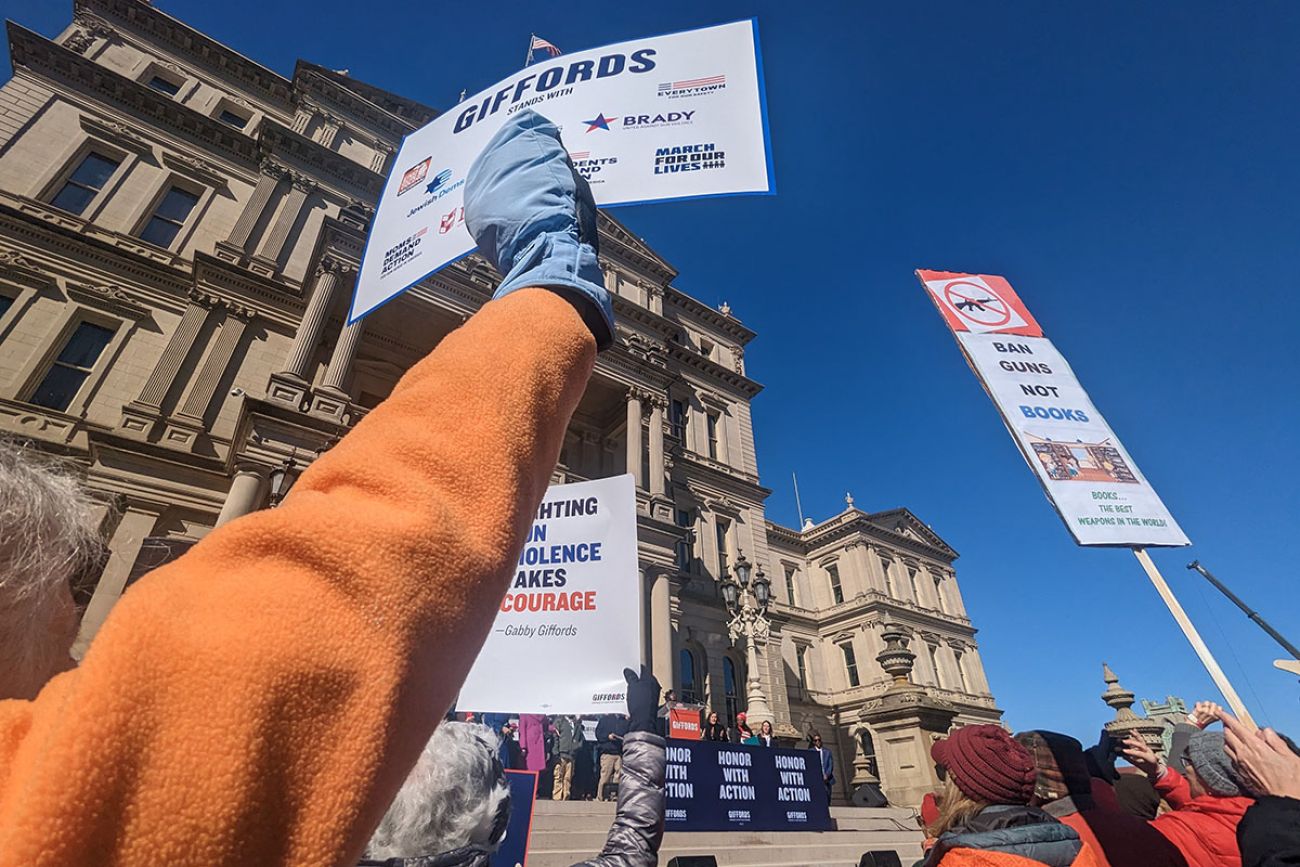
[(1060, 764), (986, 764), (1212, 765)]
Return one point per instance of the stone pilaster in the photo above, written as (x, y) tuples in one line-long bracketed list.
[(236, 245), (139, 415), (289, 385), (185, 426), (273, 247)]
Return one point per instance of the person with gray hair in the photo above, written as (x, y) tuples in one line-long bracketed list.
[(48, 539), (454, 808)]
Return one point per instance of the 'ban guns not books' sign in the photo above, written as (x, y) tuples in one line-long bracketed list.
[(571, 620), (1085, 470), (670, 117)]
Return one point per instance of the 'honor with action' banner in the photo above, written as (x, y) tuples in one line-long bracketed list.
[(670, 117), (571, 620), (1087, 474)]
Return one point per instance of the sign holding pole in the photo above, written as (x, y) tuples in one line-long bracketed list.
[(681, 116), (1087, 474)]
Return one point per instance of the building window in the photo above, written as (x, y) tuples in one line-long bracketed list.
[(713, 435), (685, 547), (801, 660), (837, 591), (72, 366), (706, 347), (851, 664), (677, 418), (5, 303), (934, 664), (869, 752), (164, 85), (790, 586), (938, 595), (730, 694), (889, 580), (961, 671), (720, 527), (690, 682), (916, 587), (230, 118), (169, 217), (85, 182)]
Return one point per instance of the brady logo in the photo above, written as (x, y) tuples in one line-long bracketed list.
[(649, 121), (600, 122), (414, 175)]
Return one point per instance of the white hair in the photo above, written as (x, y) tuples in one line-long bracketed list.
[(48, 538), (452, 797)]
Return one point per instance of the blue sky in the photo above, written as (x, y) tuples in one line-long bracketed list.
[(1129, 167)]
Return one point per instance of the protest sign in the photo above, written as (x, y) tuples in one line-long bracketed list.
[(1088, 475), (668, 117), (729, 787), (571, 620)]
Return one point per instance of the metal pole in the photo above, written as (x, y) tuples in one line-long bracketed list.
[(528, 58), (1198, 644), (1249, 612)]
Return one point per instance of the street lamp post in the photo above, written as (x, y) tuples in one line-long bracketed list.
[(747, 603)]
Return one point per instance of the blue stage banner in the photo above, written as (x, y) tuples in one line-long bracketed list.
[(523, 794), (727, 787)]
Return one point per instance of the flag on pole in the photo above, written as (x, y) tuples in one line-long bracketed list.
[(537, 43)]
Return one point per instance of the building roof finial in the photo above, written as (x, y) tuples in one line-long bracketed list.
[(848, 499)]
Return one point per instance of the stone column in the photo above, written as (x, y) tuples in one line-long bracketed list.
[(661, 634), (205, 385), (246, 493), (173, 356), (266, 184), (345, 350), (137, 522), (634, 448), (273, 246), (313, 319), (657, 479)]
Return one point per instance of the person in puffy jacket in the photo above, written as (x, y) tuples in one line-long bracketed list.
[(454, 808), (1064, 789), (1208, 802), (984, 815), (261, 699)]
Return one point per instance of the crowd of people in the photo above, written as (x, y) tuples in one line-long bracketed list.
[(278, 694)]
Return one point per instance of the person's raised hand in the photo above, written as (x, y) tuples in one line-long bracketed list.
[(1140, 755), (1265, 762), (642, 700), (1205, 713), (533, 217)]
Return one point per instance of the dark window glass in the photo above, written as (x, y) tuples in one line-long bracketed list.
[(690, 688), (677, 419), (685, 547), (837, 591), (801, 659), (171, 214), (720, 529), (851, 664), (713, 436), (729, 689), (163, 85), (228, 116), (5, 303), (85, 181), (790, 592), (72, 366)]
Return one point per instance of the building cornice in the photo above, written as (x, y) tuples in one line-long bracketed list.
[(728, 325), (277, 139), (148, 20), (633, 252), (308, 84), (34, 52), (869, 525), (274, 301), (689, 358)]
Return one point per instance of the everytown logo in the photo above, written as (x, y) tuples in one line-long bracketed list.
[(641, 121), (692, 87)]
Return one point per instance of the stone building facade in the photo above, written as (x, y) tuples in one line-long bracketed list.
[(179, 232)]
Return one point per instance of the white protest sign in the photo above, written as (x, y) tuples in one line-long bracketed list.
[(670, 117), (1088, 475), (571, 621)]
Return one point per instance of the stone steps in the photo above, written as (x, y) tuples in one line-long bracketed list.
[(566, 833)]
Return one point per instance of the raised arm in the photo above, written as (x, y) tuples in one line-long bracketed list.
[(260, 700)]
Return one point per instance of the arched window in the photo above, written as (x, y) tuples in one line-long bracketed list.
[(730, 689), (869, 752), (690, 691)]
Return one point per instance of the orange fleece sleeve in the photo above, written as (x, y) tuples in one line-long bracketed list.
[(261, 699)]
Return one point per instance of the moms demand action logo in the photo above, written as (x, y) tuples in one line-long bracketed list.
[(689, 158), (692, 87)]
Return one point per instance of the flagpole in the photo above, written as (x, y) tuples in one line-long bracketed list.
[(1194, 637), (528, 58)]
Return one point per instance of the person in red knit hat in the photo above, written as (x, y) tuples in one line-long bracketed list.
[(984, 815)]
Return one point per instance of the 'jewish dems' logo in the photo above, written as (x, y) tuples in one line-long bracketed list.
[(692, 87), (654, 121), (439, 181)]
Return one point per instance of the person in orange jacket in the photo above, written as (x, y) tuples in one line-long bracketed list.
[(984, 819), (261, 699), (1208, 799)]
